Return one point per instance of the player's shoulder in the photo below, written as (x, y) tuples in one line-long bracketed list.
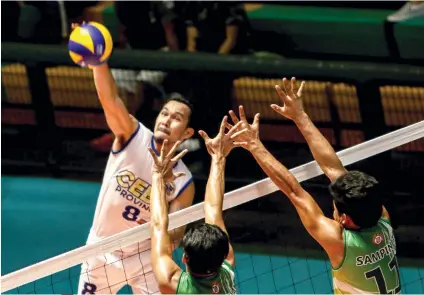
[(141, 127)]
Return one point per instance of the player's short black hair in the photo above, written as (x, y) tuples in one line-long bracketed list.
[(180, 98), (359, 196), (205, 246)]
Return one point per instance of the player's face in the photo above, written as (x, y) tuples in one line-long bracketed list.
[(172, 121)]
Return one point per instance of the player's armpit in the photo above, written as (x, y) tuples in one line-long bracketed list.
[(122, 138)]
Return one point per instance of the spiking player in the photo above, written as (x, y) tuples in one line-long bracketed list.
[(359, 240), (208, 255), (124, 199)]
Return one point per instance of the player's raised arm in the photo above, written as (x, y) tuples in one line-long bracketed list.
[(165, 269), (321, 149), (327, 232), (118, 118), (218, 148)]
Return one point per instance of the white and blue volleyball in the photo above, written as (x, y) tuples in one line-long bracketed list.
[(90, 44)]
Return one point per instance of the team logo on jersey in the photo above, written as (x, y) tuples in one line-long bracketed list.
[(170, 188), (377, 239), (215, 288)]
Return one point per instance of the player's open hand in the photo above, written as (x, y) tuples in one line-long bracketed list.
[(163, 163), (223, 143), (292, 104), (250, 138)]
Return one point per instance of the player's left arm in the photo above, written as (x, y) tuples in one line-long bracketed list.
[(218, 148), (184, 200), (324, 230), (166, 271)]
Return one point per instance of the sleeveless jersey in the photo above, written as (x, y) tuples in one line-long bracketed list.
[(124, 196), (222, 282), (369, 265)]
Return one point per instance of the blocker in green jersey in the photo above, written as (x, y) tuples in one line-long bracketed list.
[(359, 239), (208, 255)]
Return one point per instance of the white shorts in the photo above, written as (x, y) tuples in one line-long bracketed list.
[(108, 274)]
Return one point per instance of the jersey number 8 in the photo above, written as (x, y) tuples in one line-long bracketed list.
[(130, 213)]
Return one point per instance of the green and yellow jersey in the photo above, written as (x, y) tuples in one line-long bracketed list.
[(369, 265), (222, 282)]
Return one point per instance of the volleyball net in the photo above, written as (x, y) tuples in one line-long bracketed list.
[(262, 273)]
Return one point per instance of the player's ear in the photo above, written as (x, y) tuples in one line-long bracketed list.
[(184, 258), (344, 219), (189, 132)]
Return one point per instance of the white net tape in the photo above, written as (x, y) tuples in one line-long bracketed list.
[(194, 213)]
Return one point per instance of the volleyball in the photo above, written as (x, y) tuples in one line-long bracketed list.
[(90, 44)]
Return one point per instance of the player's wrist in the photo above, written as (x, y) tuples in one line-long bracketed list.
[(301, 118), (218, 158), (255, 146), (157, 173)]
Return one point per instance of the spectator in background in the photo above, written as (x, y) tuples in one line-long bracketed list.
[(54, 19), (213, 27), (216, 27), (409, 10)]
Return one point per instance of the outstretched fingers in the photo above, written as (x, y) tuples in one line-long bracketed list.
[(233, 128), (286, 85), (256, 119), (179, 156), (204, 135), (242, 114), (155, 158), (238, 133), (173, 149), (162, 149), (299, 92), (240, 143), (228, 126), (222, 127), (292, 84), (233, 117)]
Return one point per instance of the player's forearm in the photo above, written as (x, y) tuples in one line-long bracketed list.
[(321, 149), (215, 189), (105, 85), (159, 207), (276, 171)]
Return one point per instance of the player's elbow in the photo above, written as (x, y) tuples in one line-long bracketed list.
[(212, 214), (166, 288)]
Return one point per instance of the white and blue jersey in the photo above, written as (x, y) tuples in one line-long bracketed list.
[(124, 196)]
